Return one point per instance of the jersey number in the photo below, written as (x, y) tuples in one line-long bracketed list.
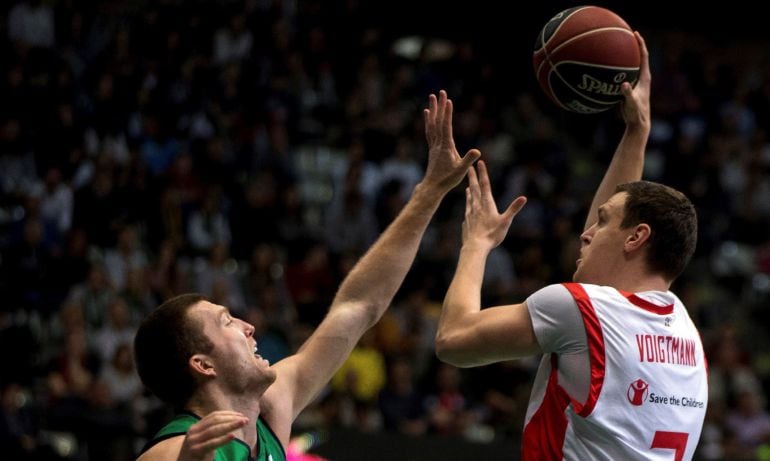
[(676, 441)]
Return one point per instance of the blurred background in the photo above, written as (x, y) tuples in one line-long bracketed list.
[(251, 150)]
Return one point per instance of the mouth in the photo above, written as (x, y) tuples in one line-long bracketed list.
[(256, 355)]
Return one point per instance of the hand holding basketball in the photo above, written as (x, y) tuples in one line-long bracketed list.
[(583, 56), (636, 107)]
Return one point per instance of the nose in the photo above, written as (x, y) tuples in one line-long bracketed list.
[(248, 329), (587, 235)]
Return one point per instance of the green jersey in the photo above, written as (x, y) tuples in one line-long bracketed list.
[(268, 446)]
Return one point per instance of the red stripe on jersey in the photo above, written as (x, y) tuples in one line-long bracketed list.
[(543, 436), (595, 347), (646, 305)]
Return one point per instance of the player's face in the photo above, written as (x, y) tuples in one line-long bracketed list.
[(601, 250), (234, 356)]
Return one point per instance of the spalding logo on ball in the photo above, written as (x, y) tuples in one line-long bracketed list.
[(583, 55)]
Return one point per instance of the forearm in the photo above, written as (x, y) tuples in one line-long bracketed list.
[(463, 297), (376, 277), (627, 165)]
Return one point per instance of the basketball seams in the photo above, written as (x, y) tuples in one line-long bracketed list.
[(591, 32), (544, 42), (585, 35), (601, 66), (558, 28), (547, 55)]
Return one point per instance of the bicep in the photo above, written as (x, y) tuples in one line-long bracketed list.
[(303, 375), (491, 335)]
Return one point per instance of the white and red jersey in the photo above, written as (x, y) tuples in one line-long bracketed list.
[(623, 376)]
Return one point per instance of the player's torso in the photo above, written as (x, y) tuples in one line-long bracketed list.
[(653, 386), (269, 447)]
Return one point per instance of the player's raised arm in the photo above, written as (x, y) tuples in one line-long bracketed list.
[(370, 286), (467, 335), (628, 161)]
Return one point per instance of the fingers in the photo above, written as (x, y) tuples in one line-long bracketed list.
[(470, 157), (447, 118), (626, 89), (432, 103), (486, 189), (438, 116), (515, 206), (644, 67), (473, 181), (211, 443), (215, 430), (217, 424), (429, 115)]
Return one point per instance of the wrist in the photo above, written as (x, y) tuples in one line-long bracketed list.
[(640, 127), (477, 246), (427, 191)]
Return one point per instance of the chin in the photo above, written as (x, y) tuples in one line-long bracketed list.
[(270, 376)]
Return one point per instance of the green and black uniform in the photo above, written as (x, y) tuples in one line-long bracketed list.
[(268, 446)]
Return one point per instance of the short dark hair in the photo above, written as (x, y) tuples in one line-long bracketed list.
[(673, 221), (163, 345)]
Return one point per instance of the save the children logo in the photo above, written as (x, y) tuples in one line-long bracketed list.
[(637, 392)]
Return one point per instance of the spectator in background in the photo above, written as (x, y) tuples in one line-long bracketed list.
[(57, 201), (362, 376), (208, 223), (118, 329), (400, 403), (31, 23), (94, 295), (351, 225), (27, 269), (748, 425), (217, 278), (449, 410), (119, 375), (264, 284), (18, 424), (125, 257), (233, 43)]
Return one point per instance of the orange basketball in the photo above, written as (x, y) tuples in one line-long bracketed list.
[(583, 55)]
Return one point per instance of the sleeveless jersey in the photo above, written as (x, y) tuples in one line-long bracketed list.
[(269, 447), (648, 390)]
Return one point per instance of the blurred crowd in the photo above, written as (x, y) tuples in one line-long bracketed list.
[(251, 151)]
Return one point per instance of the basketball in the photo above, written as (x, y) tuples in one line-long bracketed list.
[(583, 55)]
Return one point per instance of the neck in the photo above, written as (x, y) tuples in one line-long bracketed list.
[(632, 277), (639, 279), (208, 400)]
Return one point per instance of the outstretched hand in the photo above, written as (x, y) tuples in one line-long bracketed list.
[(445, 166), (210, 433), (483, 224), (636, 106)]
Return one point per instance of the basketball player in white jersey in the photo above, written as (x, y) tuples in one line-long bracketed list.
[(623, 374)]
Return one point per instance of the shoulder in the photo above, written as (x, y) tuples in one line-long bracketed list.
[(556, 295), (164, 450), (556, 319)]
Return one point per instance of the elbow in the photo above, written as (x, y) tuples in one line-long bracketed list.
[(448, 351), (358, 314)]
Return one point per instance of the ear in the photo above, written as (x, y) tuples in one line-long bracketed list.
[(201, 364), (640, 234)]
